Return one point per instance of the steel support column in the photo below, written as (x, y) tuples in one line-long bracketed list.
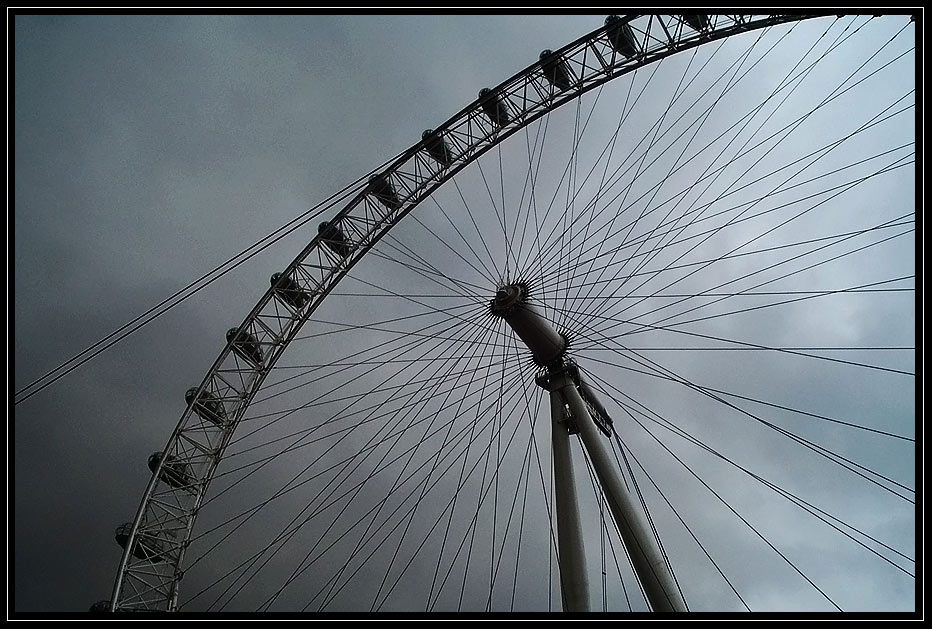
[(648, 562), (572, 557)]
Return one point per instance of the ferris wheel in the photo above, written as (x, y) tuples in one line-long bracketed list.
[(633, 330)]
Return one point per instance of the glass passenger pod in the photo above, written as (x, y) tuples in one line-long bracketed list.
[(174, 473), (697, 22), (245, 345), (621, 37), (437, 148), (288, 290), (207, 406), (555, 69), (334, 238), (384, 192), (144, 547), (494, 107)]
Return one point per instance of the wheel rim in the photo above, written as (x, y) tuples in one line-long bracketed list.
[(564, 285)]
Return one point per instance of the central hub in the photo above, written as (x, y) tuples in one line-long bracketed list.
[(512, 303), (507, 298)]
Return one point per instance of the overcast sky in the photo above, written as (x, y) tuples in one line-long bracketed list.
[(149, 149)]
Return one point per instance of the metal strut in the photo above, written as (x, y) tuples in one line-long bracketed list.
[(646, 558), (575, 408), (597, 412)]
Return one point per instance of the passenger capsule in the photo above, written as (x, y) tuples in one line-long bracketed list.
[(207, 406), (174, 472), (288, 290), (621, 37), (555, 69), (437, 148), (143, 548), (494, 107), (245, 345), (332, 236), (697, 22), (99, 607), (383, 190)]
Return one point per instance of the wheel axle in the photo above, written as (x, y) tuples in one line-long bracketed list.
[(512, 304)]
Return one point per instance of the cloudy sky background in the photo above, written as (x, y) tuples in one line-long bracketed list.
[(151, 148)]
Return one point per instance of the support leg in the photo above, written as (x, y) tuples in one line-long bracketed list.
[(651, 569), (573, 578)]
